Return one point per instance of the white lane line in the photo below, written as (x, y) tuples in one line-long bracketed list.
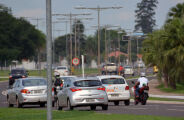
[(179, 110), (138, 108)]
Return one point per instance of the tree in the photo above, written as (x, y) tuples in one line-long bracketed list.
[(145, 16), (176, 12), (18, 38)]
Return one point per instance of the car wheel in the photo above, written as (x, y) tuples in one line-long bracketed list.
[(58, 106), (93, 107), (69, 105), (42, 104), (127, 102), (19, 105), (9, 104), (116, 103), (105, 107)]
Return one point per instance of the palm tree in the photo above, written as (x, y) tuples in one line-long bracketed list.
[(176, 12)]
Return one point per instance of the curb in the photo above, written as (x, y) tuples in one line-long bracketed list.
[(162, 102), (164, 96)]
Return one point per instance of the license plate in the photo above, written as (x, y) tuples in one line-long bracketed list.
[(114, 95), (90, 100), (37, 91)]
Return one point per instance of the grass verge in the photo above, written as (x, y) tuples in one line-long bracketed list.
[(179, 89), (32, 114)]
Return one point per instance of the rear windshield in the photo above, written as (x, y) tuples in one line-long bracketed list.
[(17, 71), (113, 81), (34, 82), (61, 68), (87, 83), (128, 67)]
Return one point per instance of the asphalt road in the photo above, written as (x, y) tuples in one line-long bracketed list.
[(149, 109)]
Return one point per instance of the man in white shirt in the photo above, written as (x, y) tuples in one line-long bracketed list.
[(142, 81)]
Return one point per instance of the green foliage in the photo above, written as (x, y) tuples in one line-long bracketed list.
[(18, 38), (35, 114), (145, 15)]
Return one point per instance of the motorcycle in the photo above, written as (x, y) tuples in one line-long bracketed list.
[(143, 94)]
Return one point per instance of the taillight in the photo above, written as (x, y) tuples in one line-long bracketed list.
[(74, 89), (127, 88), (101, 88), (23, 76), (25, 91), (52, 89), (10, 76)]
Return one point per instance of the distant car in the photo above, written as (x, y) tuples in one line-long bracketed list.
[(117, 88), (128, 70), (61, 70), (82, 92), (16, 74), (28, 91), (109, 69)]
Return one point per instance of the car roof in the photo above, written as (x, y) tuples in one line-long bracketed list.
[(31, 78), (109, 76), (67, 76), (18, 69), (85, 78)]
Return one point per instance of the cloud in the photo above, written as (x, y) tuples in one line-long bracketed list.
[(31, 13)]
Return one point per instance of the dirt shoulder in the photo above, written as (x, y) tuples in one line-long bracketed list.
[(155, 91)]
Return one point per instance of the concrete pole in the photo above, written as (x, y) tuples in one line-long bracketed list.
[(75, 38), (99, 38), (119, 51), (49, 59), (66, 38), (70, 41)]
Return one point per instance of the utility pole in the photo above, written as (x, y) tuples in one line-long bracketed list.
[(119, 32), (70, 15), (49, 59), (98, 9)]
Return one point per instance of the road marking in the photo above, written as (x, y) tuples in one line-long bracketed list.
[(179, 110), (4, 92), (137, 108)]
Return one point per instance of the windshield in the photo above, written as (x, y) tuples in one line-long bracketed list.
[(61, 68), (34, 82), (87, 83), (17, 71), (113, 81)]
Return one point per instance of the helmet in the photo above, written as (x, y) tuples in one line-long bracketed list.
[(143, 74)]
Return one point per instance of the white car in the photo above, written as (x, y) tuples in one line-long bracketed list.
[(61, 71), (117, 88), (128, 70)]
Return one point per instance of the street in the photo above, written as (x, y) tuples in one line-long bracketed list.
[(158, 109)]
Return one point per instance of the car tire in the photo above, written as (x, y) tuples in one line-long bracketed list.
[(42, 104), (58, 106), (93, 107), (19, 105), (105, 107), (127, 102), (116, 103), (9, 104), (69, 105)]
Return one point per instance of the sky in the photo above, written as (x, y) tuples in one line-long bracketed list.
[(123, 17)]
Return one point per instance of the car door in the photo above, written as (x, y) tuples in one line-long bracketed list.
[(65, 92), (13, 93)]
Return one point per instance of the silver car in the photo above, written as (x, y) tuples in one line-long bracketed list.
[(28, 91), (82, 92)]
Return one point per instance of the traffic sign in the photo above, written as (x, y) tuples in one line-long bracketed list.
[(75, 61)]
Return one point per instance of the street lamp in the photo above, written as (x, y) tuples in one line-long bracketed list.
[(98, 9)]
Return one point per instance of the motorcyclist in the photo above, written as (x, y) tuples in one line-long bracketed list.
[(58, 82), (142, 81)]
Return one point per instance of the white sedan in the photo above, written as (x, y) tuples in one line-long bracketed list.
[(117, 88)]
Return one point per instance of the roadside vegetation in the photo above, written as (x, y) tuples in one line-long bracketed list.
[(164, 48), (32, 114)]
